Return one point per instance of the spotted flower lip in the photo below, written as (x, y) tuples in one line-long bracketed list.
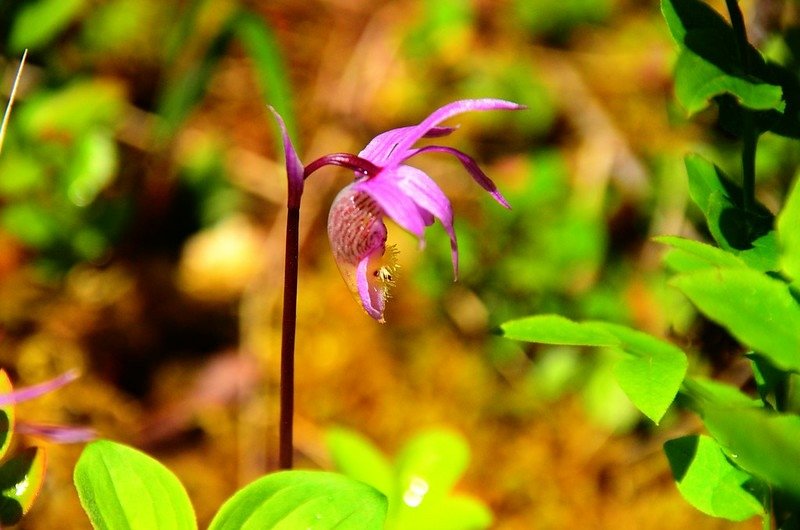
[(385, 186)]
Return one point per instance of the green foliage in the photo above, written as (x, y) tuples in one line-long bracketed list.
[(122, 488), (418, 485), (40, 21), (749, 465), (21, 479), (303, 499), (709, 481), (650, 371)]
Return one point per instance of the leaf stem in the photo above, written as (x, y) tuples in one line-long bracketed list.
[(750, 131), (288, 338)]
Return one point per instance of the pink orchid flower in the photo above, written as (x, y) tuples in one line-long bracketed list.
[(386, 187)]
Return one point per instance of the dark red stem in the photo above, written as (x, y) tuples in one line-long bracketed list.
[(288, 338)]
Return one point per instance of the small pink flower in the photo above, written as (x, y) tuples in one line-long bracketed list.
[(385, 187)]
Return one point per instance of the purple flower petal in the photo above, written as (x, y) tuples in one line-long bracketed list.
[(373, 301), (385, 191), (35, 391), (448, 111), (294, 167), (470, 165), (384, 145), (57, 433), (429, 196)]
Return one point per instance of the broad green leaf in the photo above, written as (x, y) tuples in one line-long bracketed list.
[(303, 499), (40, 21), (555, 329), (709, 481), (689, 255), (697, 81), (760, 442), (748, 234), (121, 488), (788, 225), (650, 373), (7, 415), (755, 308), (358, 458), (21, 479), (708, 65)]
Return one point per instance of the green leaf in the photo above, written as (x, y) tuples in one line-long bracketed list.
[(709, 481), (555, 329), (21, 479), (788, 225), (702, 393), (755, 308), (762, 443), (93, 167), (7, 415), (359, 459), (40, 21), (708, 65), (689, 255), (122, 488), (303, 499), (650, 373), (748, 234)]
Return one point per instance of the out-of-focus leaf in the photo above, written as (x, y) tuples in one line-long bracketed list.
[(262, 47), (758, 310), (358, 458), (708, 481), (605, 402), (7, 415), (760, 442), (688, 255), (429, 465), (707, 67), (698, 393), (40, 21), (93, 166), (81, 105), (303, 499), (21, 479), (456, 512), (788, 225), (748, 234), (31, 223), (20, 173), (122, 488), (183, 94)]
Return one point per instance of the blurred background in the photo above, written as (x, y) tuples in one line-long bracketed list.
[(142, 198)]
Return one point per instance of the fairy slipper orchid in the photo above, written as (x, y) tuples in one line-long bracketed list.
[(385, 186)]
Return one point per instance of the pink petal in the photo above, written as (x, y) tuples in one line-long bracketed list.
[(385, 190), (448, 111), (470, 165), (372, 301), (57, 433), (429, 196), (294, 167), (383, 146), (35, 391)]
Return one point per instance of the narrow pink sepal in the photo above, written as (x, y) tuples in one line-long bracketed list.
[(57, 433), (442, 113)]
